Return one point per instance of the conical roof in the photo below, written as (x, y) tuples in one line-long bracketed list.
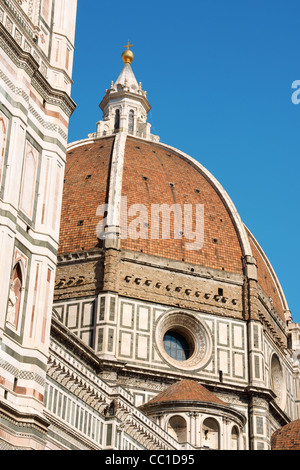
[(186, 390), (127, 78)]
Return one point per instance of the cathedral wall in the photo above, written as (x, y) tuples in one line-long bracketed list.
[(181, 284), (130, 331), (79, 316), (86, 413), (237, 355), (78, 276), (279, 377), (77, 416), (140, 341)]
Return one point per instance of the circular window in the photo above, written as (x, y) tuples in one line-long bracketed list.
[(177, 345), (183, 340)]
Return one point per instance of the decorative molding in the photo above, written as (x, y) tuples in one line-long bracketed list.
[(26, 61), (195, 330), (112, 403)]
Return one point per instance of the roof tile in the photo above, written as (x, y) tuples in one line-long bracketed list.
[(186, 390)]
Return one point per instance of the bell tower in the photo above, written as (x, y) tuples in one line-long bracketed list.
[(36, 55)]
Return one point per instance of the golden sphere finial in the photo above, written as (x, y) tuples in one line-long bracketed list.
[(128, 55)]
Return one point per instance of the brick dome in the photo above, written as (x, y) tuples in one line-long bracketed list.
[(188, 395), (287, 438), (154, 173)]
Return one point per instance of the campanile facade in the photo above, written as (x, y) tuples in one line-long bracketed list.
[(36, 55)]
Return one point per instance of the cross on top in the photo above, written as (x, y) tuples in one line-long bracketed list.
[(128, 46)]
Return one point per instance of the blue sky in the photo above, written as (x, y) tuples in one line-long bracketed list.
[(219, 79)]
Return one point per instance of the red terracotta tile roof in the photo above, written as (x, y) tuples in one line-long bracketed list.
[(186, 390), (85, 188), (287, 438), (152, 174)]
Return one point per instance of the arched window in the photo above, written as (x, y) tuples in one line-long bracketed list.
[(177, 428), (131, 122), (28, 182), (210, 434), (234, 438), (15, 295), (117, 120)]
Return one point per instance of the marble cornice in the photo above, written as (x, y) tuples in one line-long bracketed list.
[(26, 61)]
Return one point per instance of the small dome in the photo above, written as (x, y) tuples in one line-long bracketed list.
[(186, 391), (287, 438)]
